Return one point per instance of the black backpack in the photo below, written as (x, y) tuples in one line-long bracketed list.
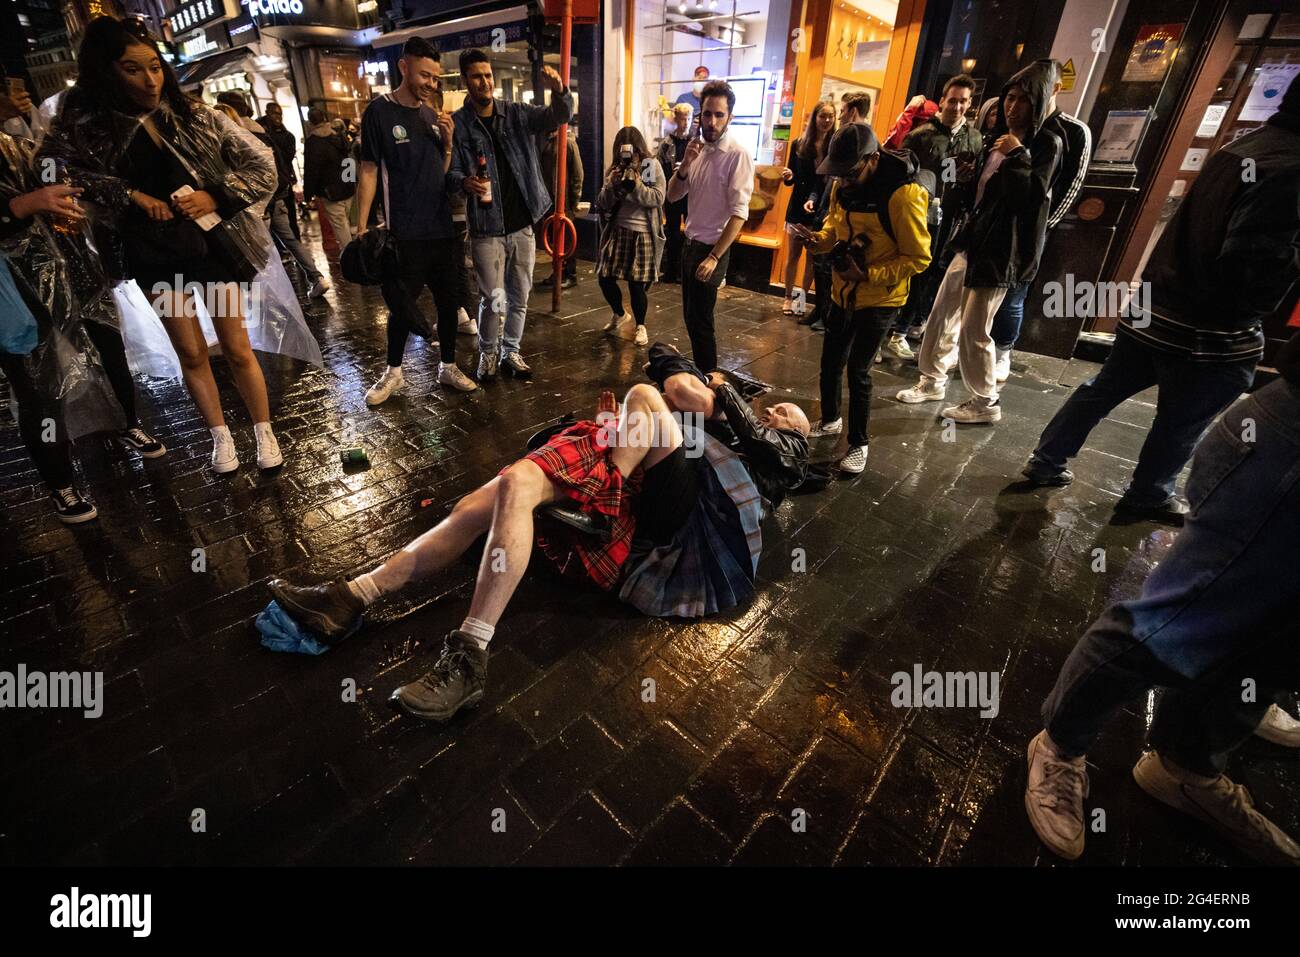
[(922, 177)]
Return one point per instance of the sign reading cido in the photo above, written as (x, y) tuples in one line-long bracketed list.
[(267, 8)]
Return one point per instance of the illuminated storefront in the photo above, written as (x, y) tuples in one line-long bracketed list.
[(781, 57)]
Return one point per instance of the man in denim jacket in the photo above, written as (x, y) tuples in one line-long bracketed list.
[(503, 205)]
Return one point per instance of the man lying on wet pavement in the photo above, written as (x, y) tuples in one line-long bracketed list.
[(651, 506)]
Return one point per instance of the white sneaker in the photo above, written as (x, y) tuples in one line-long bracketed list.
[(614, 323), (464, 324), (269, 455), (897, 347), (319, 287), (224, 458), (974, 410), (826, 428), (1226, 807), (1054, 797), (927, 390), (1002, 367), (854, 461), (449, 374), (388, 383), (1279, 728), (642, 337)]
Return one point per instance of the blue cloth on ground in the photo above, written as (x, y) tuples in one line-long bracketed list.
[(281, 633)]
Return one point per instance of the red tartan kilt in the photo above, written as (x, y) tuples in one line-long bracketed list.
[(577, 461)]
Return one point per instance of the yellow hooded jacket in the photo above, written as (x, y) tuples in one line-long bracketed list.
[(891, 263)]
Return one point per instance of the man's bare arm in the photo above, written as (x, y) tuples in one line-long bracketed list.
[(367, 183)]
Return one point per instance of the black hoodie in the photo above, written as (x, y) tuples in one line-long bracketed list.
[(1004, 237)]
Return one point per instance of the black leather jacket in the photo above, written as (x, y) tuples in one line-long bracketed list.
[(776, 459)]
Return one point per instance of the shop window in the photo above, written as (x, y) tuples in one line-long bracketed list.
[(342, 78)]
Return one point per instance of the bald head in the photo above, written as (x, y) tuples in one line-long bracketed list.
[(786, 415)]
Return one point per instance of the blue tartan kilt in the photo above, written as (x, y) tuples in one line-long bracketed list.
[(709, 565)]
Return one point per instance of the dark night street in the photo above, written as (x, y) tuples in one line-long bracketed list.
[(935, 556)]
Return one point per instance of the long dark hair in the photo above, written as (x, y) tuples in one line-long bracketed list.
[(630, 134), (809, 147), (105, 41)]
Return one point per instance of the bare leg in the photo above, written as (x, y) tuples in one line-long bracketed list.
[(441, 545), (521, 488), (792, 256), (239, 355), (648, 433), (192, 351)]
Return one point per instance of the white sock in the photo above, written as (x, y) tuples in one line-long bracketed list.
[(364, 588), (480, 632)]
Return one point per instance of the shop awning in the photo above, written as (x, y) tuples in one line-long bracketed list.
[(445, 27), (202, 69)]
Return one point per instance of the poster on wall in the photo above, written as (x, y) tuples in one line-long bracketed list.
[(1120, 136), (1152, 52), (1271, 82), (871, 55)]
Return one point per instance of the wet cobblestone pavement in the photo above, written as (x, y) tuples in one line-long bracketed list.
[(932, 557)]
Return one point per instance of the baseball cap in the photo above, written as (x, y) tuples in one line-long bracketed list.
[(847, 147)]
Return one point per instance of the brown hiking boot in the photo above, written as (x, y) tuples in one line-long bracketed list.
[(456, 681), (331, 609)]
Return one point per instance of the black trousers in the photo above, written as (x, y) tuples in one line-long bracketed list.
[(112, 353), (674, 216), (614, 296), (852, 340), (698, 300), (53, 459), (439, 266)]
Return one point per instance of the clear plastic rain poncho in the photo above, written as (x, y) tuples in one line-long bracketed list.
[(67, 281), (222, 157)]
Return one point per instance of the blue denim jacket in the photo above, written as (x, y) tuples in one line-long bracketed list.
[(523, 123)]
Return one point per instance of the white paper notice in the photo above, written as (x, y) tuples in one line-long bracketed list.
[(1211, 121), (1120, 136), (1194, 159), (1271, 82), (871, 55)]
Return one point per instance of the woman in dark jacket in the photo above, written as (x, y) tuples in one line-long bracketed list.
[(806, 187), (59, 346), (631, 205), (180, 188)]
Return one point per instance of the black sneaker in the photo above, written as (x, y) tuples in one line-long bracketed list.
[(1039, 474), (456, 681), (1170, 512), (141, 441), (73, 507), (330, 610)]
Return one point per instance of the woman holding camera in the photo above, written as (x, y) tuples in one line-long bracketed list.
[(806, 154), (631, 205)]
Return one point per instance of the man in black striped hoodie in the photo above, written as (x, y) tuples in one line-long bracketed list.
[(1225, 262)]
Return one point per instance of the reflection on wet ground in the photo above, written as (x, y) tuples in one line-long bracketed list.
[(933, 557)]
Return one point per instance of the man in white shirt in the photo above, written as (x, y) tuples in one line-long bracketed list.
[(718, 175)]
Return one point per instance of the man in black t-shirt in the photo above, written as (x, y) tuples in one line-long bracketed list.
[(405, 153)]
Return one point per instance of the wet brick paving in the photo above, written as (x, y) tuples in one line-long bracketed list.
[(931, 557)]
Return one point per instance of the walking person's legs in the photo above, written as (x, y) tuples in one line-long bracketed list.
[(46, 442), (283, 230), (939, 346), (489, 255), (336, 211), (977, 357), (112, 354), (521, 257)]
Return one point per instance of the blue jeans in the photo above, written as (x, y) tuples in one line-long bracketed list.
[(1191, 394), (1006, 324), (1218, 610), (503, 266)]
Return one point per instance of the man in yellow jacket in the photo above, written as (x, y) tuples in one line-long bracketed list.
[(877, 229)]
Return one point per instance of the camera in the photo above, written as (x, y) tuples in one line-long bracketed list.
[(627, 164), (847, 253)]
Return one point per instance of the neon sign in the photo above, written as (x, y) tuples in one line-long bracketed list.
[(267, 8)]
